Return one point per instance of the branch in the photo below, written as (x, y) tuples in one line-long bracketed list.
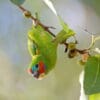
[(29, 15), (36, 21)]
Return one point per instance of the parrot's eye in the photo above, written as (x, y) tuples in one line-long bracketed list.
[(35, 68)]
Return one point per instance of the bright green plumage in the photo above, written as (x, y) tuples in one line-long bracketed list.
[(43, 47), (47, 49)]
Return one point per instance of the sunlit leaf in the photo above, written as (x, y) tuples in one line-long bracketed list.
[(92, 75), (17, 2), (94, 96)]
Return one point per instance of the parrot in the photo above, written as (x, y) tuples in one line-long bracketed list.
[(42, 46), (43, 49)]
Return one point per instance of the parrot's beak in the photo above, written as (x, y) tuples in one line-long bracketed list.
[(39, 76), (36, 74)]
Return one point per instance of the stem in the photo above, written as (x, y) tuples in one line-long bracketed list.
[(37, 21), (23, 9), (92, 43), (97, 38)]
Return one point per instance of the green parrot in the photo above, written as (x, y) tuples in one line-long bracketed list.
[(43, 49)]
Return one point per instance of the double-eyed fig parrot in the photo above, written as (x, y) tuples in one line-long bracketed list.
[(43, 49)]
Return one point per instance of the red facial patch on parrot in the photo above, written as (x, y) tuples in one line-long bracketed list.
[(41, 67)]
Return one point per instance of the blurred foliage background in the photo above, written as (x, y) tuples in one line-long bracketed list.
[(62, 83)]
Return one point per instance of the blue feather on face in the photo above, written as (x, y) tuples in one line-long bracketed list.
[(38, 70), (35, 68)]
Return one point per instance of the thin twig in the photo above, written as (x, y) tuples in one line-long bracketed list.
[(37, 21)]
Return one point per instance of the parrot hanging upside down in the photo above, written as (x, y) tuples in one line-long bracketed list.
[(43, 49)]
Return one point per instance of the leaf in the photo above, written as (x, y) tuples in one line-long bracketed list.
[(50, 5), (65, 33), (64, 25), (92, 75), (17, 2), (62, 36), (94, 96)]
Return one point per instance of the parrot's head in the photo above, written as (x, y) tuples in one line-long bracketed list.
[(37, 68)]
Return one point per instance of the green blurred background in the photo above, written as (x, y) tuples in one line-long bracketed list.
[(62, 83)]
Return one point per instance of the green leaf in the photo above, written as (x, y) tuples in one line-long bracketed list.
[(94, 96), (92, 75), (64, 25), (65, 33), (62, 36), (17, 2)]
